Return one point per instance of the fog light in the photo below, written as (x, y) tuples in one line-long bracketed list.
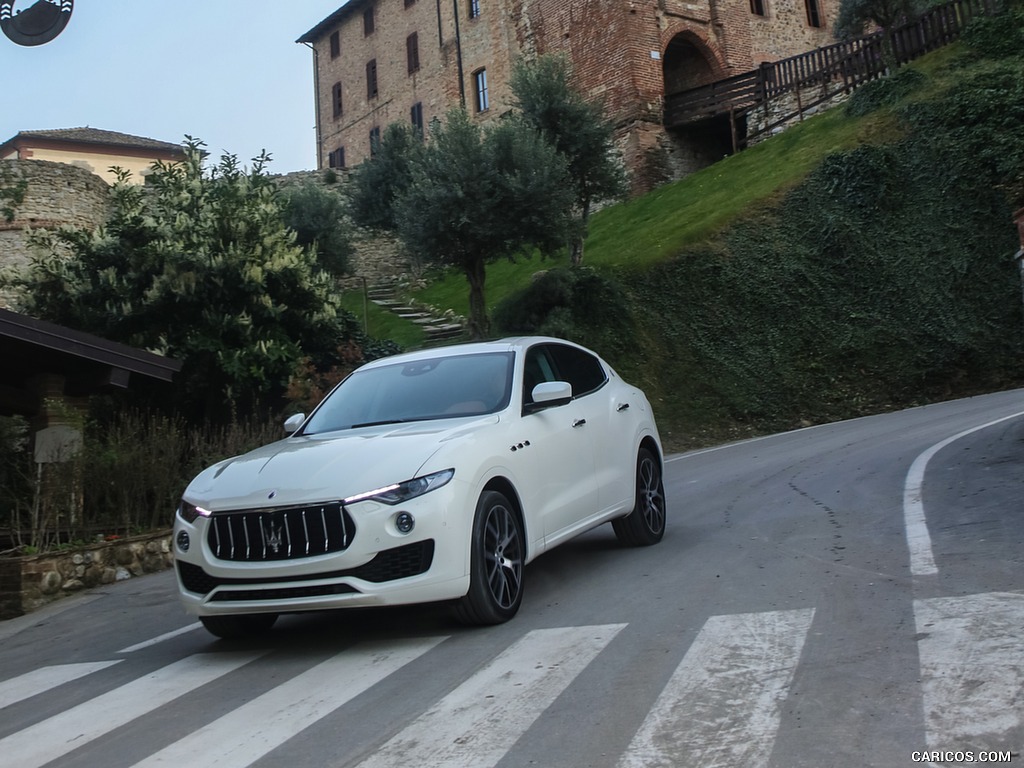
[(404, 522), (183, 541)]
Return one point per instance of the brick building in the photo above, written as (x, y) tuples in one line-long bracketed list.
[(383, 61)]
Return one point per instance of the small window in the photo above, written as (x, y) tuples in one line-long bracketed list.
[(335, 44), (336, 100), (483, 101), (374, 140), (757, 7), (410, 3), (412, 52), (813, 13), (579, 368), (368, 21), (474, 8), (336, 159), (416, 118), (371, 79)]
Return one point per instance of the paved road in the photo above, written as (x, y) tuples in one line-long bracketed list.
[(846, 595)]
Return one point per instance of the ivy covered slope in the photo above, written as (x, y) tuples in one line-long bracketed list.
[(881, 277)]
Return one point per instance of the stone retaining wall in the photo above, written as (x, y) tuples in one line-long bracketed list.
[(32, 581)]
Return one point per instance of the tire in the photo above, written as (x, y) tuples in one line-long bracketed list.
[(239, 627), (645, 525), (497, 554)]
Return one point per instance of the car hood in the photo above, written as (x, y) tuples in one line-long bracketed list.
[(328, 466)]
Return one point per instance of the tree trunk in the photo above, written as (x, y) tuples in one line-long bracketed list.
[(476, 273), (576, 244)]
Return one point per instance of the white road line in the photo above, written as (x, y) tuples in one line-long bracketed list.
[(722, 706), (477, 723), (161, 638), (248, 733), (39, 680), (972, 670), (922, 561), (52, 738)]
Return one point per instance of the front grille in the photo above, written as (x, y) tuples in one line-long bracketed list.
[(398, 563), (257, 535)]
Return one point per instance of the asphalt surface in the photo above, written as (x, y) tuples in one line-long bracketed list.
[(812, 604)]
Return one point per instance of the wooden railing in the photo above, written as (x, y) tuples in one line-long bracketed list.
[(838, 67)]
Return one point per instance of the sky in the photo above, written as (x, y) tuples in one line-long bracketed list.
[(228, 72)]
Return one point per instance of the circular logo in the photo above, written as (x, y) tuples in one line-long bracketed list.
[(39, 23)]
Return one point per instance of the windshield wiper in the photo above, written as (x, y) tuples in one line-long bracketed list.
[(378, 423)]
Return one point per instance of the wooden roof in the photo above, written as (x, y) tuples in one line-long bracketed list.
[(89, 364)]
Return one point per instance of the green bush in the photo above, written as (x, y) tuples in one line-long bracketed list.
[(576, 303), (997, 37), (884, 92)]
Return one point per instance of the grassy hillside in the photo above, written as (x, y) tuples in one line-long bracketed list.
[(861, 260)]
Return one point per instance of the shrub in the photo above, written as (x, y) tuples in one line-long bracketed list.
[(578, 304), (884, 92)]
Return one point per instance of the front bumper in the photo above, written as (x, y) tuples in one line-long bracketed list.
[(380, 566)]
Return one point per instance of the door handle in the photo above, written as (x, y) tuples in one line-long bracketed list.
[(578, 423), (622, 407)]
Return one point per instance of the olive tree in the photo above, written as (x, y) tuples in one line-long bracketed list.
[(471, 195), (578, 130), (857, 16)]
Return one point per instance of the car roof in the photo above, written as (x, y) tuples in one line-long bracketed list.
[(510, 344)]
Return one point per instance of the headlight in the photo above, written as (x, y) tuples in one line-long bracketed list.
[(410, 489), (190, 512)]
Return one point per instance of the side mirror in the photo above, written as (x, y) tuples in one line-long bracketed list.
[(549, 394), (292, 423)]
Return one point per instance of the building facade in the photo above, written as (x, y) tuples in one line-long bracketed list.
[(92, 149), (383, 61)]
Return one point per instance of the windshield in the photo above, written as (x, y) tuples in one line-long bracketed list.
[(436, 388)]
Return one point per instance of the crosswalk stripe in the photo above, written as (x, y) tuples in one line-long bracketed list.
[(722, 706), (166, 636), (52, 738), (477, 723), (291, 706), (972, 668), (40, 680)]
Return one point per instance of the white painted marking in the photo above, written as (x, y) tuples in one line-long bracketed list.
[(922, 561), (55, 737), (478, 722), (251, 731), (39, 680), (972, 670), (159, 639), (722, 706)]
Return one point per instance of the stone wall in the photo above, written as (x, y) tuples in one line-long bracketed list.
[(789, 109), (32, 581), (56, 195)]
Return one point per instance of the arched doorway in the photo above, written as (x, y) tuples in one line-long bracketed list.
[(685, 65), (688, 63)]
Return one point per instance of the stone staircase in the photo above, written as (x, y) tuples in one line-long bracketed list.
[(436, 329)]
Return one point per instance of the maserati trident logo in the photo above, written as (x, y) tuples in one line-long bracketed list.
[(273, 534)]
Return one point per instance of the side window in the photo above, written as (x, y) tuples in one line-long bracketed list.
[(579, 368)]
